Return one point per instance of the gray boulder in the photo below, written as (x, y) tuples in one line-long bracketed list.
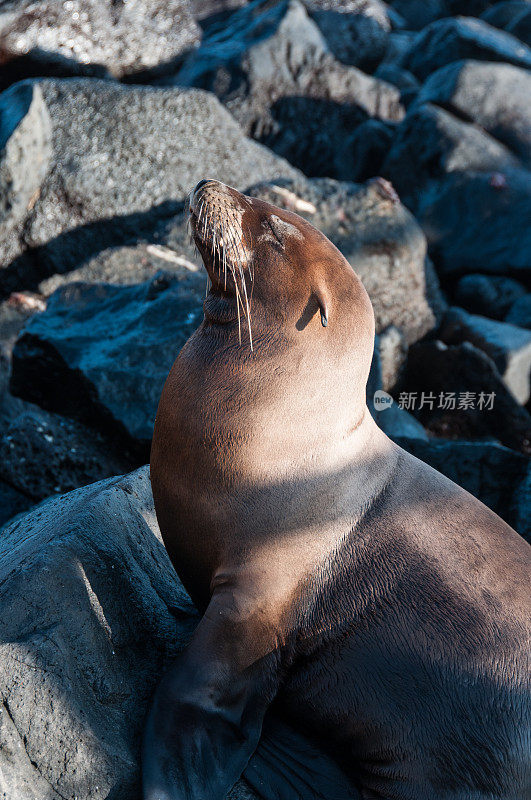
[(91, 613), (25, 156), (489, 295), (273, 70), (508, 346), (122, 157), (356, 31), (93, 37), (101, 353), (497, 476), (456, 38), (493, 96)]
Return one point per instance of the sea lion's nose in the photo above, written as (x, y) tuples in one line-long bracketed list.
[(201, 184)]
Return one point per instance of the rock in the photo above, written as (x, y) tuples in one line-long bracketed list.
[(122, 158), (101, 353), (457, 393), (356, 31), (453, 39), (489, 295), (494, 474), (400, 78), (43, 454), (363, 153), (273, 70), (500, 15), (508, 346), (432, 143), (393, 420), (12, 503), (207, 11), (382, 242), (392, 347), (419, 13), (91, 613), (476, 222), (398, 44), (520, 312), (520, 27), (25, 153), (494, 96), (470, 8), (93, 37), (162, 245)]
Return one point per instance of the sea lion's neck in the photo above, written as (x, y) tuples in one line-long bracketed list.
[(278, 428)]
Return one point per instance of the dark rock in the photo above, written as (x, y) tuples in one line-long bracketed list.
[(453, 39), (457, 393), (398, 44), (471, 8), (489, 295), (272, 68), (419, 13), (101, 353), (356, 31), (500, 15), (508, 346), (432, 143), (121, 159), (393, 420), (12, 503), (494, 96), (497, 476), (362, 154), (476, 222), (382, 242), (399, 77), (93, 37), (520, 27), (520, 312), (43, 454)]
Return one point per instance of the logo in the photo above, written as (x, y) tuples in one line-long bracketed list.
[(382, 400)]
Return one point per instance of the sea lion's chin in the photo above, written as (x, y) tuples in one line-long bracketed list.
[(220, 307)]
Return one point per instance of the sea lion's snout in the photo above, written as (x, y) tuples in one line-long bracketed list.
[(218, 230)]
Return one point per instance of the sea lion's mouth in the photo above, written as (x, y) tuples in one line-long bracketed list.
[(216, 216)]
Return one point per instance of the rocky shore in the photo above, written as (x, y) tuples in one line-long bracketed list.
[(402, 130)]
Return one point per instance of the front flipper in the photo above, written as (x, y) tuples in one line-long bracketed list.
[(288, 766), (206, 717)]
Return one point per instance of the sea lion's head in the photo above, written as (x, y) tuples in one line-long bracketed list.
[(273, 277)]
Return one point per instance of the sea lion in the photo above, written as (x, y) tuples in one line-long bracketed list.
[(375, 610)]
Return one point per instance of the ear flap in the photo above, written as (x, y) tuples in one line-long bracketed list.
[(323, 306)]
